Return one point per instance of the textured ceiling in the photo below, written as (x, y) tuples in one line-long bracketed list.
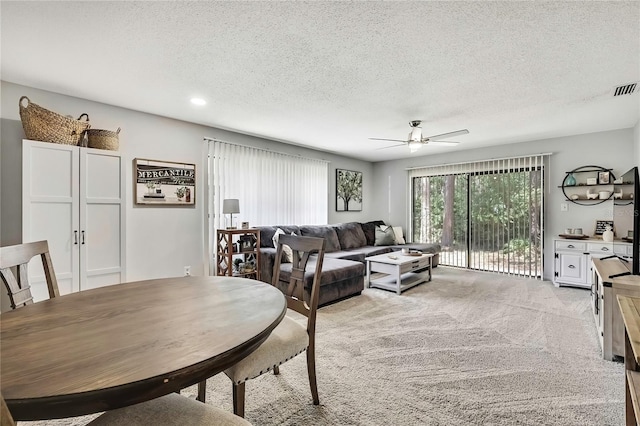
[(332, 74)]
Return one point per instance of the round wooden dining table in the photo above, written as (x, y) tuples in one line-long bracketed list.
[(114, 346)]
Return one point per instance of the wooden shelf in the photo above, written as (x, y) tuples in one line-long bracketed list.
[(235, 244)]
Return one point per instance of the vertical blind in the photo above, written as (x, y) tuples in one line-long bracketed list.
[(272, 188), (502, 203)]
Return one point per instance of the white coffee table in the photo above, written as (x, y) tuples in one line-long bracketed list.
[(403, 270)]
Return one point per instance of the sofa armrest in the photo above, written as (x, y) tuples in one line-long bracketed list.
[(267, 261)]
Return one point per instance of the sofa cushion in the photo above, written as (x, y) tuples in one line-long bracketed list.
[(322, 231), (354, 254), (266, 233), (374, 250), (385, 236), (369, 230), (350, 235), (332, 270), (423, 247)]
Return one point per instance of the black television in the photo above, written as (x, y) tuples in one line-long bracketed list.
[(626, 213)]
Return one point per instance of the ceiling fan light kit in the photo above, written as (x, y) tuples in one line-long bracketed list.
[(415, 141), (415, 145)]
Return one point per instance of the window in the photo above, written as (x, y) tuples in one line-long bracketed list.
[(273, 188), (486, 215)]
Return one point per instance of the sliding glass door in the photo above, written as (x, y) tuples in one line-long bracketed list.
[(486, 216), (440, 214)]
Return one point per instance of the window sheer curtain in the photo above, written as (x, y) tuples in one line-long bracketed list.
[(273, 188)]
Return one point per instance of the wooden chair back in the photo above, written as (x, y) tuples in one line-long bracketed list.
[(17, 257), (302, 248)]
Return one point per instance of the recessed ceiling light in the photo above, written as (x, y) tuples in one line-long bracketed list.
[(198, 101)]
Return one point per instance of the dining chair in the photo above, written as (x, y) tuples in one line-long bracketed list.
[(290, 337), (169, 410), (18, 286)]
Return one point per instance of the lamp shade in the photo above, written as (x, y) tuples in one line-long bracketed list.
[(230, 205)]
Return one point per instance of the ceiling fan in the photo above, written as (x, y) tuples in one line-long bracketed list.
[(415, 140)]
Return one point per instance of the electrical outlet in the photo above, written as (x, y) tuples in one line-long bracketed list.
[(564, 207), (187, 271)]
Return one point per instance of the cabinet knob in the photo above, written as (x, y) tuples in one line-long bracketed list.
[(571, 267), (75, 237), (571, 246), (605, 248)]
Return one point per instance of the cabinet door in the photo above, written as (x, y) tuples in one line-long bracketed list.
[(571, 268), (102, 211), (50, 211)]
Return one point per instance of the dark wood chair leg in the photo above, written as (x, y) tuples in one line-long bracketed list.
[(276, 370), (238, 399), (202, 391), (311, 368)]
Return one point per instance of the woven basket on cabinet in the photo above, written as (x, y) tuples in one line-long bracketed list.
[(103, 139), (40, 124)]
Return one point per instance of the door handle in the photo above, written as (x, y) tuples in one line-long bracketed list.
[(82, 237), (570, 266), (75, 237)]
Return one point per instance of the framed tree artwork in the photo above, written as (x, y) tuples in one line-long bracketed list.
[(164, 183), (348, 191)]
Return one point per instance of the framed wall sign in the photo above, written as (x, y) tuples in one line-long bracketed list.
[(348, 191), (164, 183)]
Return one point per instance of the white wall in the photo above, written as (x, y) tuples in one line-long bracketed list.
[(160, 241), (636, 143), (613, 149)]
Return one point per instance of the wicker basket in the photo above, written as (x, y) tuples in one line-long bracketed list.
[(40, 124), (103, 139)]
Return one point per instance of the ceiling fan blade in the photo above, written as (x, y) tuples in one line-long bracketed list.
[(392, 140), (448, 135), (451, 142), (390, 146)]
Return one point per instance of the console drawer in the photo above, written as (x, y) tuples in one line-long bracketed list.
[(571, 245), (600, 247)]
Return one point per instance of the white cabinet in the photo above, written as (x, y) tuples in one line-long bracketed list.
[(74, 198), (573, 259)]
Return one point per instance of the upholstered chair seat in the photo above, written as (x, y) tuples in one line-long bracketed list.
[(287, 340), (169, 410)]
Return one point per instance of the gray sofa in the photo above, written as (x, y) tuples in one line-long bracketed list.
[(343, 268)]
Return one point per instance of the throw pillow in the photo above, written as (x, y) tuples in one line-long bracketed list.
[(286, 250), (385, 236), (369, 229), (397, 230), (350, 235)]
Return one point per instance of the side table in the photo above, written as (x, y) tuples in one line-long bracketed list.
[(238, 253)]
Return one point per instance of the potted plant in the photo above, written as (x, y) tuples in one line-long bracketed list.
[(180, 192), (150, 185), (236, 264)]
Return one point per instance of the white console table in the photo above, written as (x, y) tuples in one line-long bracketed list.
[(572, 263), (604, 304)]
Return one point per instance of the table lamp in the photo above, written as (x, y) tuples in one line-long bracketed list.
[(230, 206)]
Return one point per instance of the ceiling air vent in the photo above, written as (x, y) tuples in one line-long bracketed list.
[(627, 89)]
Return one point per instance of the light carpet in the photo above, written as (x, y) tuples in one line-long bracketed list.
[(468, 348)]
